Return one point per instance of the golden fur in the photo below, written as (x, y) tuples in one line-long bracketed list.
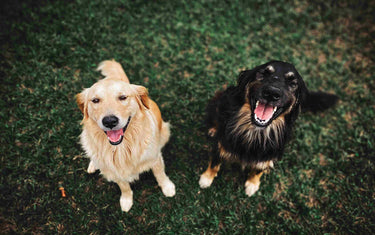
[(112, 69), (145, 134)]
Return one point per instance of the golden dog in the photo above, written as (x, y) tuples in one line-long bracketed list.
[(123, 132)]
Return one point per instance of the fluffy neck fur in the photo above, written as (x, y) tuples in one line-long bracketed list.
[(244, 131)]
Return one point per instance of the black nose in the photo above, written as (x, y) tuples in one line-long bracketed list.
[(110, 121), (272, 93)]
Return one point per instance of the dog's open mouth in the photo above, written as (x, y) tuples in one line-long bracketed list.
[(115, 137), (264, 113)]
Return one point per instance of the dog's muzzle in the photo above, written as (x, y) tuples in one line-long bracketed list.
[(266, 108), (115, 137)]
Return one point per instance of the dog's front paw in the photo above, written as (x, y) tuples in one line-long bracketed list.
[(126, 203), (251, 188), (91, 169), (205, 181), (169, 190)]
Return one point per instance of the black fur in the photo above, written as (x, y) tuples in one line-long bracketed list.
[(318, 101), (270, 85)]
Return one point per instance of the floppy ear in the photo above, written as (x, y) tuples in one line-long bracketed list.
[(245, 77), (81, 102), (301, 95), (142, 96), (248, 76), (302, 92)]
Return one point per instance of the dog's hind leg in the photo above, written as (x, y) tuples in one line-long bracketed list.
[(213, 168), (92, 168), (164, 182), (253, 181), (126, 199)]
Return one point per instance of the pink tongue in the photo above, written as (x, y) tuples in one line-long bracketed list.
[(264, 111), (115, 136)]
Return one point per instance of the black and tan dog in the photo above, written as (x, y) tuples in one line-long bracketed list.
[(250, 123)]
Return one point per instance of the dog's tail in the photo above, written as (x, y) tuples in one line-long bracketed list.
[(112, 69), (318, 101)]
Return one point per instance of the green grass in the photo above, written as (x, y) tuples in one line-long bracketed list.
[(183, 51)]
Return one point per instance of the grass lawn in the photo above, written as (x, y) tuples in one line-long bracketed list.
[(183, 51)]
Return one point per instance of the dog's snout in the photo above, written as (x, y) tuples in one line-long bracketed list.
[(110, 121), (272, 93)]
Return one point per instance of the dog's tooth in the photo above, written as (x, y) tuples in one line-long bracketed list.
[(257, 103), (274, 109)]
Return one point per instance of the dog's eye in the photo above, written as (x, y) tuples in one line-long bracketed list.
[(122, 97), (293, 84), (95, 100), (259, 76)]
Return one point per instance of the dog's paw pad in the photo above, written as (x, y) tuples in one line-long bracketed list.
[(251, 188), (205, 182), (169, 190), (126, 203), (91, 169)]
